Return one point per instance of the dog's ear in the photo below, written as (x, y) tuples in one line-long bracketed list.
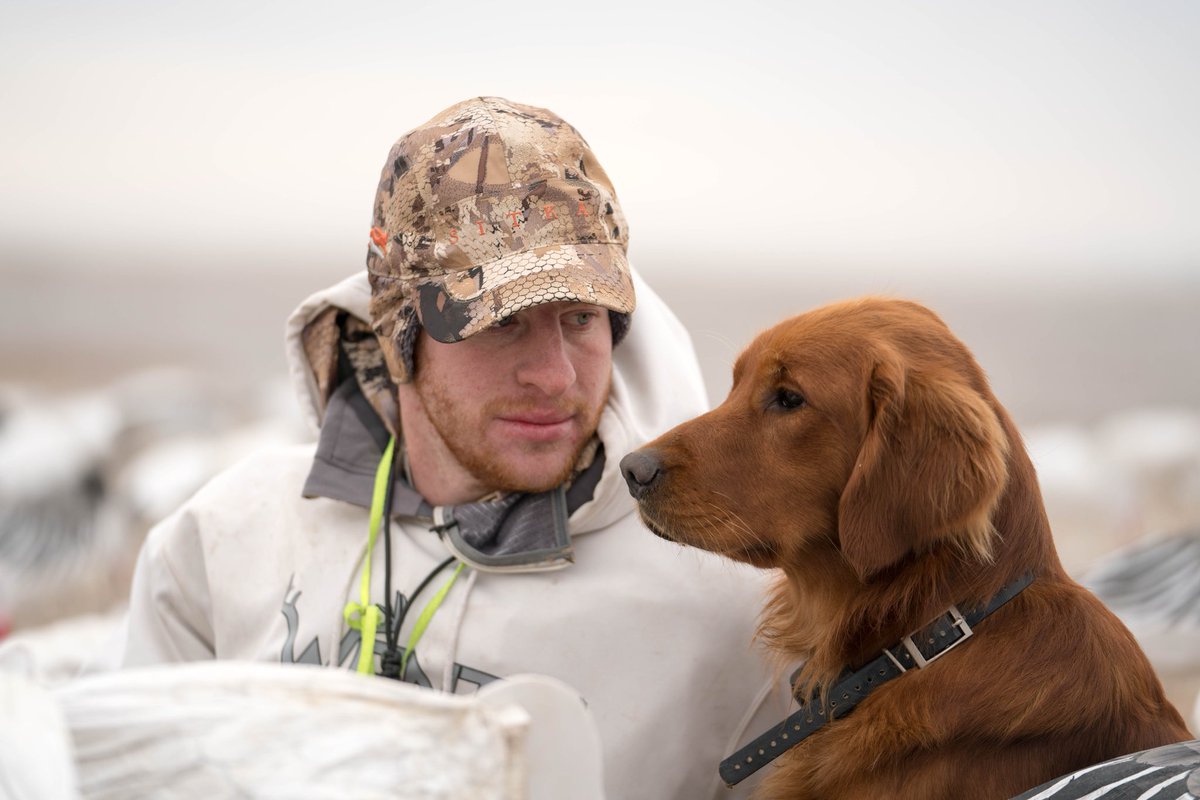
[(932, 467)]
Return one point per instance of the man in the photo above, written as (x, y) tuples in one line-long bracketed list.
[(464, 513)]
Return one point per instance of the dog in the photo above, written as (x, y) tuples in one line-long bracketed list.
[(862, 455)]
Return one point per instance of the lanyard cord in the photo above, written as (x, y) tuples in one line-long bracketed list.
[(364, 616), (390, 632)]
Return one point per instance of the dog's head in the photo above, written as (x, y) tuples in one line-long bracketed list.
[(864, 427)]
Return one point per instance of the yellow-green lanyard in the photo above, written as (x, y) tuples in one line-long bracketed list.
[(364, 616)]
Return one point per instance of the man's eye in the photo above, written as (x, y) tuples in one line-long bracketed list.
[(505, 322), (582, 318)]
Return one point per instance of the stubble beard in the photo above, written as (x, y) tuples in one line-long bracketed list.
[(490, 468)]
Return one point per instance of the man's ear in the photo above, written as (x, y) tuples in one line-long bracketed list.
[(932, 467)]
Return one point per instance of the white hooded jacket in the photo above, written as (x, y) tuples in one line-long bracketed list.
[(656, 638)]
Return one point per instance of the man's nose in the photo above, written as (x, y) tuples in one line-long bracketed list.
[(642, 469), (547, 364)]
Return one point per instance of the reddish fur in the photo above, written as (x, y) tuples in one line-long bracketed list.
[(902, 487)]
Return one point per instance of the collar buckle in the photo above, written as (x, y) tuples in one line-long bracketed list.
[(940, 629)]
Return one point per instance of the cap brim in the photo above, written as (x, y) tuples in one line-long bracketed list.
[(455, 306)]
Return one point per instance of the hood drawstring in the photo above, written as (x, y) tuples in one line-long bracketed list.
[(426, 614), (364, 616)]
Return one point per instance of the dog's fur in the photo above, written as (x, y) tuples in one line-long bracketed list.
[(897, 487)]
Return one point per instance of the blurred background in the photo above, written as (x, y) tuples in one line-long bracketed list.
[(176, 177)]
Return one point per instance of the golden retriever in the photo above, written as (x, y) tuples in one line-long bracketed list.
[(862, 454)]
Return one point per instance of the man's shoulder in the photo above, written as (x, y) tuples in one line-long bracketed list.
[(254, 485), (277, 457), (261, 473)]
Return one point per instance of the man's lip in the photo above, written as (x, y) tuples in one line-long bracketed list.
[(538, 427), (538, 418)]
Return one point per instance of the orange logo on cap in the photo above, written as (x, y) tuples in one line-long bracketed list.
[(380, 239)]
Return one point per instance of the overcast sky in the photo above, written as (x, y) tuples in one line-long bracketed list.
[(931, 134)]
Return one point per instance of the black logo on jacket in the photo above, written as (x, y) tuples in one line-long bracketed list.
[(352, 640)]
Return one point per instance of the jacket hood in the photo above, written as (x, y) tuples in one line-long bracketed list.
[(656, 382)]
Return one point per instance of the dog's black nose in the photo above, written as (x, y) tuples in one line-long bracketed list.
[(641, 469)]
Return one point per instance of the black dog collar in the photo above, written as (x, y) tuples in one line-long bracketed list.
[(918, 649)]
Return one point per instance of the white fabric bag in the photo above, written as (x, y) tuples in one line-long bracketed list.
[(228, 729)]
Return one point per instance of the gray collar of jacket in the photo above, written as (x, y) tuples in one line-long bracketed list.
[(515, 532)]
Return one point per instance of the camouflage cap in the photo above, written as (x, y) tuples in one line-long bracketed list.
[(487, 209)]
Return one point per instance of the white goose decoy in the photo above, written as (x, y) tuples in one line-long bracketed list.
[(1153, 585), (1170, 772), (83, 476), (55, 518)]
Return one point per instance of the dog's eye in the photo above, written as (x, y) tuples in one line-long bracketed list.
[(787, 399)]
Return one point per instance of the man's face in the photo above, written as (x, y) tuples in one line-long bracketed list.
[(515, 404)]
